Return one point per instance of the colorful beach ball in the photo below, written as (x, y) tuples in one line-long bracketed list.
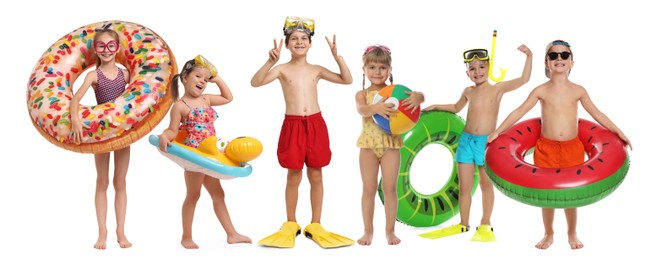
[(404, 119)]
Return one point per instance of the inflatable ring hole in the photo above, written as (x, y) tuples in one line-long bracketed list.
[(89, 98), (528, 156), (430, 169)]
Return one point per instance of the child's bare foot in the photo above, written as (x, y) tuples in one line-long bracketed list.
[(575, 243), (392, 239), (100, 244), (547, 241), (101, 241), (124, 243), (366, 239), (238, 238), (188, 243)]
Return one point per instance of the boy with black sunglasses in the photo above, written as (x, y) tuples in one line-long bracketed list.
[(483, 101), (559, 146)]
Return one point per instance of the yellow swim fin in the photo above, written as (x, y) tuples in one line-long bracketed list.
[(444, 232), (284, 238), (324, 238), (484, 233)]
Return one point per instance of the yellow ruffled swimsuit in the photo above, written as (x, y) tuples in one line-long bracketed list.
[(372, 137)]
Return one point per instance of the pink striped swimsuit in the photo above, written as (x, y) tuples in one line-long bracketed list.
[(108, 90)]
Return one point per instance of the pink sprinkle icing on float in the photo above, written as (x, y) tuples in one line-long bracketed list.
[(113, 125), (570, 187)]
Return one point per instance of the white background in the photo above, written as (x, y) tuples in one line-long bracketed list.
[(46, 193)]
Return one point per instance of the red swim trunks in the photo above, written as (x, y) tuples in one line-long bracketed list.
[(304, 140), (558, 154)]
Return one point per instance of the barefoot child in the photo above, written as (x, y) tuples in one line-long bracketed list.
[(559, 99), (194, 113), (377, 148)]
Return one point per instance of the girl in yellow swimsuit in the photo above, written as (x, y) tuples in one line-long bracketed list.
[(377, 148)]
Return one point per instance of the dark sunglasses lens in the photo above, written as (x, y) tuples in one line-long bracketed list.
[(565, 55), (552, 55)]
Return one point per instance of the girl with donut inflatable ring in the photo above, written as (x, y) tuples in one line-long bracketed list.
[(122, 115), (194, 114), (483, 101), (560, 146), (379, 149)]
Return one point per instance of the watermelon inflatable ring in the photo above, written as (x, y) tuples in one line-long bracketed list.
[(571, 187)]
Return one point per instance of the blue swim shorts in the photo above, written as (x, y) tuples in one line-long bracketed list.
[(471, 149)]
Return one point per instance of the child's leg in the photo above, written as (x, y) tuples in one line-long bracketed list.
[(548, 222), (291, 193), (101, 185), (487, 196), (390, 163), (314, 175), (466, 180), (193, 182), (571, 216), (214, 188), (120, 185), (368, 167)]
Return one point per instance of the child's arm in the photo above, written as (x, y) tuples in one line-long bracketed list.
[(514, 84), (225, 96), (383, 109), (452, 108), (265, 74), (170, 133), (601, 118), (77, 126), (344, 77), (516, 114)]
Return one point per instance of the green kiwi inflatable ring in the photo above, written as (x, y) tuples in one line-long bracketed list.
[(426, 210)]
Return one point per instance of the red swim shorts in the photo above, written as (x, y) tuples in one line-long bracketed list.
[(558, 154), (304, 140)]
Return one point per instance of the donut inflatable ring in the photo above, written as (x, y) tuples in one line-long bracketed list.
[(426, 210), (113, 125), (570, 187), (214, 157)]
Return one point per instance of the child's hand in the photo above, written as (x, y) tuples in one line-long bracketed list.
[(163, 142), (274, 54), (627, 143), (430, 108), (492, 137), (333, 44), (77, 130), (383, 109), (524, 49), (415, 98), (215, 79)]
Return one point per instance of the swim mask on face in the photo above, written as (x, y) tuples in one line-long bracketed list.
[(200, 61), (293, 23)]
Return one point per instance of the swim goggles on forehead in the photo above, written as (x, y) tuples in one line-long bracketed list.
[(373, 47), (293, 23), (200, 61), (470, 55)]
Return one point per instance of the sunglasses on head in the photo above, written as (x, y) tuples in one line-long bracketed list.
[(373, 47), (293, 23), (554, 55), (470, 55)]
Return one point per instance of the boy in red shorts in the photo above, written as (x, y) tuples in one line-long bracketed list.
[(559, 145), (304, 134)]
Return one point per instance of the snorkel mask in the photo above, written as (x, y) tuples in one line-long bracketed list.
[(293, 23), (479, 54), (200, 61)]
